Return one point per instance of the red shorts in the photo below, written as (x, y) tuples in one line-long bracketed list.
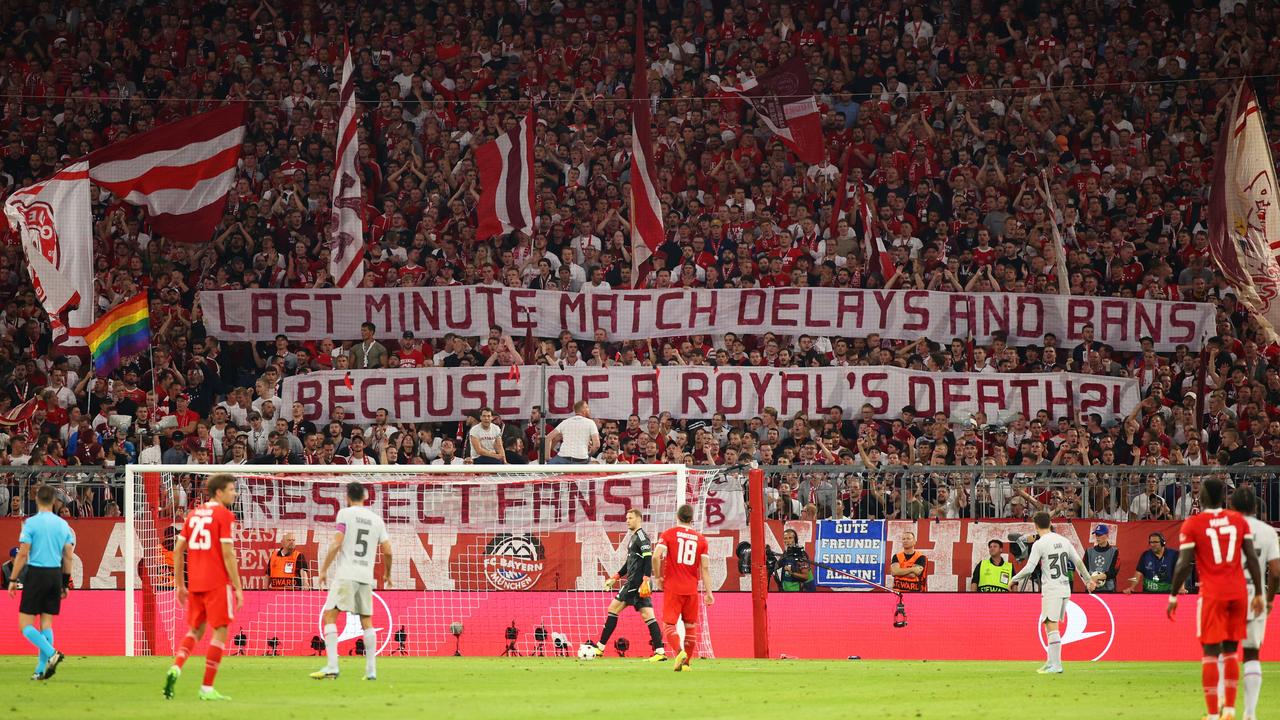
[(1221, 620), (680, 605), (215, 607)]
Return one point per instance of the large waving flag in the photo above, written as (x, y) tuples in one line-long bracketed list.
[(346, 226), (505, 165), (647, 231), (55, 223), (180, 172), (784, 100), (1244, 227), (123, 331)]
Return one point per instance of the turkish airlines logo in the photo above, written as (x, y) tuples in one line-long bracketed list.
[(1086, 634), (382, 624)]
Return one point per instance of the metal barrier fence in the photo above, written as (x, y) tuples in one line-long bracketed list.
[(915, 492)]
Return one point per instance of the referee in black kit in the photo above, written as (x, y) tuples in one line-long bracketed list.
[(45, 553)]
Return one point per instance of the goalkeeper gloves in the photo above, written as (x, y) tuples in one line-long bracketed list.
[(645, 589), (613, 580)]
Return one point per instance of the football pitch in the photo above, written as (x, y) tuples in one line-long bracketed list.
[(279, 689)]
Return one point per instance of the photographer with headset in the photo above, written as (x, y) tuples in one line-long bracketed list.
[(1155, 567), (794, 570)]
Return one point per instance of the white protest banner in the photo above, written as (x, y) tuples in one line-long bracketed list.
[(441, 394), (307, 314)]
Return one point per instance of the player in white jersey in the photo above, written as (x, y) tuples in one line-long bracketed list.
[(1267, 545), (352, 556), (1055, 557)]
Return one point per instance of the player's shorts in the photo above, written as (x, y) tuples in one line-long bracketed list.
[(680, 605), (1256, 631), (631, 597), (1221, 620), (41, 591), (214, 607), (350, 596), (1053, 607)]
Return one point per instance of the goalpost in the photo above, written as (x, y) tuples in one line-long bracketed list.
[(487, 559)]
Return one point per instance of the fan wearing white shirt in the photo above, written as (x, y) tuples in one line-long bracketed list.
[(485, 439), (578, 436)]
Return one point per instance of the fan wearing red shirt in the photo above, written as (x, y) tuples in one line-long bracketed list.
[(679, 560), (1220, 542), (206, 548)]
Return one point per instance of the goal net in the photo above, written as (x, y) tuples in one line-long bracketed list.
[(487, 560)]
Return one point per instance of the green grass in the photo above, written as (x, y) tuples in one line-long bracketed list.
[(279, 689)]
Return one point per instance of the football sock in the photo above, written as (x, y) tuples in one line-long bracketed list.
[(212, 659), (610, 623), (1230, 678), (37, 638), (1054, 650), (184, 650), (655, 634), (1209, 680), (671, 636), (44, 659), (370, 652), (690, 642), (1252, 686), (331, 646)]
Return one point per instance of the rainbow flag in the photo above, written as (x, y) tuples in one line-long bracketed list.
[(123, 331)]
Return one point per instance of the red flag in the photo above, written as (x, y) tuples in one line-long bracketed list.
[(18, 415), (514, 373), (180, 173), (647, 231), (784, 100), (842, 194), (346, 223), (878, 257), (505, 165)]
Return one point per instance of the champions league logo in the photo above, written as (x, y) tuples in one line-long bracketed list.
[(1091, 635), (351, 630), (513, 562)]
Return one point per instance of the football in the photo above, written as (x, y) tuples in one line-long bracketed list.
[(586, 651)]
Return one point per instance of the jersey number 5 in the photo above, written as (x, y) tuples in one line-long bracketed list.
[(200, 538), (362, 544), (1215, 543), (687, 551)]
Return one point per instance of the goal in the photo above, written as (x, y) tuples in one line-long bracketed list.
[(487, 560)]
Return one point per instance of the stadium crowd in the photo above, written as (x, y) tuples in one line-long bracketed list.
[(946, 111)]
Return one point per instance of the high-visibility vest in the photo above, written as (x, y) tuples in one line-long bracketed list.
[(992, 577), (284, 570), (907, 583)]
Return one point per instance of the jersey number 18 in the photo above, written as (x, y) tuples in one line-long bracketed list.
[(687, 551)]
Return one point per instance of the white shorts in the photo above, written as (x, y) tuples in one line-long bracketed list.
[(1257, 631), (1053, 607), (350, 596)]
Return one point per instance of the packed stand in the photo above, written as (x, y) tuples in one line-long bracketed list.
[(949, 111)]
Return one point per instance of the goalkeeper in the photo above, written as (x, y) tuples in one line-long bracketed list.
[(634, 576)]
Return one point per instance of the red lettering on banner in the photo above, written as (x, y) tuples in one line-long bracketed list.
[(445, 395), (584, 500), (728, 400), (661, 317), (506, 397), (374, 304), (954, 392), (995, 313), (760, 381), (644, 388), (1031, 317), (809, 320), (918, 388), (425, 500), (781, 305), (395, 497), (506, 501), (1148, 322), (595, 387), (990, 393), (490, 295), (1114, 314), (1052, 400), (339, 395), (319, 498), (293, 500), (639, 301), (1079, 314), (620, 502), (366, 392), (405, 391), (751, 307), (479, 397), (710, 310), (871, 393), (573, 303), (521, 313), (426, 312), (1092, 395), (1186, 326), (223, 320), (604, 307), (330, 299), (795, 387), (884, 301), (546, 495), (1023, 387), (920, 311), (264, 497), (849, 302), (960, 308), (464, 492), (693, 390), (462, 323), (264, 308), (294, 307), (559, 385), (308, 393)]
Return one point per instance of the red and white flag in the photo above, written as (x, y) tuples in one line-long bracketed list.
[(54, 222), (180, 173), (784, 100), (878, 258), (19, 414), (1244, 229), (647, 231), (505, 165), (346, 225)]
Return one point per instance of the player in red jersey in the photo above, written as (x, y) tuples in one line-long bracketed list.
[(1221, 544), (679, 559), (211, 576)]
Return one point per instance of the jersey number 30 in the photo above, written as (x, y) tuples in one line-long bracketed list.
[(1215, 543), (687, 551)]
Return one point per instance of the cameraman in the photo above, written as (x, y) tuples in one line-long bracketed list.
[(1020, 550), (795, 571)]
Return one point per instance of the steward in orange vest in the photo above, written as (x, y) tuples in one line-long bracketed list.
[(908, 566), (288, 567)]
